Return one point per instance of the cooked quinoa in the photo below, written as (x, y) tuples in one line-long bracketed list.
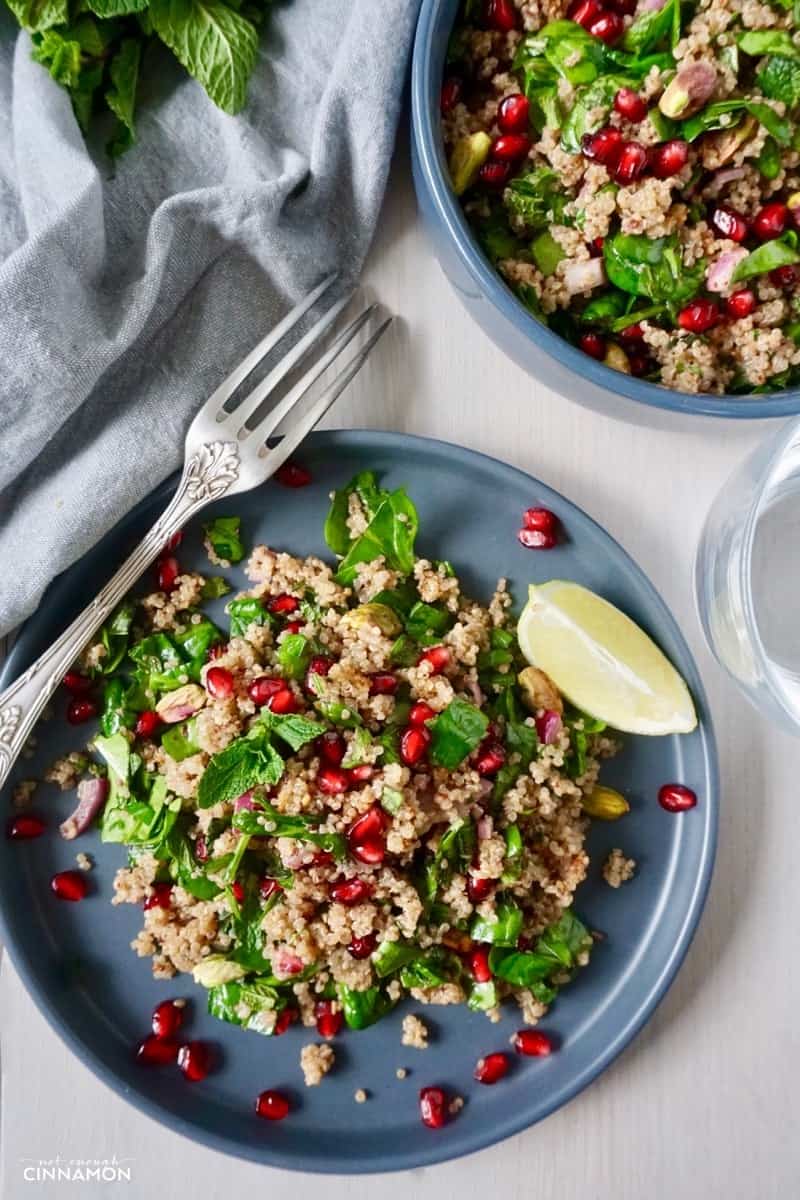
[(634, 175), (316, 1062), (617, 869), (340, 796)]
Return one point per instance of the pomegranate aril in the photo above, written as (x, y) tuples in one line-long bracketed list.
[(414, 744), (283, 702), (770, 221), (420, 713), (80, 711), (332, 747), (351, 891), (319, 665), (532, 1043), (362, 947), (639, 364), (631, 333), (478, 888), (536, 539), (630, 105), (631, 164), (167, 1018), (604, 146), (492, 1068), (264, 688), (383, 684), (194, 1059), (292, 475), (284, 1019), (741, 304), (501, 15), (283, 604), (268, 887), (585, 12), (433, 1107), (272, 1106), (329, 1021), (219, 683), (201, 849), (783, 277), (174, 541), (156, 1052), (548, 726), (510, 147), (368, 826), (77, 684), (147, 723), (437, 656), (69, 885), (669, 158), (479, 964), (451, 94), (593, 345), (495, 174), (491, 757), (608, 27), (675, 798), (294, 626), (167, 571), (24, 828), (332, 781), (540, 518), (238, 891), (160, 896), (728, 223), (513, 113), (372, 852), (360, 774), (699, 316)]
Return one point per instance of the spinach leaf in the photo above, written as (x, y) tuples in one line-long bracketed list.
[(400, 599), (184, 867), (390, 534), (520, 967), (222, 534), (430, 970), (719, 116), (214, 587), (115, 636), (428, 623), (454, 853), (556, 950), (483, 996), (391, 956), (565, 939), (535, 199), (779, 78), (247, 611), (495, 236), (267, 821), (765, 257), (159, 665), (127, 818), (568, 48), (651, 267), (547, 253), (365, 487), (252, 1004), (602, 309), (652, 28), (294, 655), (178, 740), (512, 867), (405, 652), (456, 732), (504, 930), (121, 703), (361, 1009), (589, 110), (196, 641), (769, 159)]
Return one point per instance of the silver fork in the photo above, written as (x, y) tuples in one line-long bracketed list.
[(224, 455)]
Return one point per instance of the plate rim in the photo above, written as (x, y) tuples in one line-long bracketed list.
[(471, 1141)]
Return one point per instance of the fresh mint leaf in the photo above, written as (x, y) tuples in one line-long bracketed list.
[(535, 199), (725, 114), (293, 728), (358, 752), (222, 535), (242, 765), (61, 55), (213, 42), (121, 96), (456, 732), (115, 8), (37, 15), (756, 42), (779, 78)]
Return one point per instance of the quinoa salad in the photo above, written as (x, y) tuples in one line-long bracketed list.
[(356, 793), (632, 169)]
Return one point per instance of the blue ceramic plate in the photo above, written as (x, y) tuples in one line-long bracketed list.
[(98, 996)]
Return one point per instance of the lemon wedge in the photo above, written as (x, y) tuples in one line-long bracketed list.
[(602, 662)]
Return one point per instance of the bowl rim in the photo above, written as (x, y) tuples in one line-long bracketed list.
[(425, 87)]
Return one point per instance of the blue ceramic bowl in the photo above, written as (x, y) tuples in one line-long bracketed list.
[(488, 299)]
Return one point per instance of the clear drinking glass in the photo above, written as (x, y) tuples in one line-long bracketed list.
[(747, 577)]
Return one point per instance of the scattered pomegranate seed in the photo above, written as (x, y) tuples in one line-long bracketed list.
[(201, 849), (167, 1018), (332, 747), (383, 684), (294, 626), (536, 539), (741, 304), (513, 113), (160, 896), (369, 825), (372, 852), (631, 164), (501, 15), (540, 518), (728, 223), (69, 885), (495, 174), (284, 604), (79, 711), (585, 12), (783, 277), (492, 1068), (413, 744), (360, 774), (264, 688), (420, 713), (283, 702), (332, 781), (292, 475), (268, 887), (770, 221), (491, 757), (699, 316), (219, 682), (175, 541), (432, 1107), (479, 964), (593, 345), (351, 891), (510, 147), (25, 827), (319, 665), (362, 947), (675, 798), (238, 891), (639, 364), (167, 571), (147, 723), (156, 1052), (608, 27), (451, 94), (284, 1019), (194, 1059), (669, 158), (437, 656), (478, 888), (532, 1043), (630, 105), (631, 333), (77, 684), (604, 146), (329, 1022), (272, 1106)]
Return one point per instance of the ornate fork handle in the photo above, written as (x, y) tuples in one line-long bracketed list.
[(210, 472)]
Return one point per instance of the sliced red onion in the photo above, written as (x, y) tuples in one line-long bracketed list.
[(548, 727), (720, 273), (244, 802), (485, 827), (92, 795), (650, 6), (475, 692), (584, 276), (722, 177)]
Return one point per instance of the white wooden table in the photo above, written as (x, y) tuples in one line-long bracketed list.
[(701, 1105)]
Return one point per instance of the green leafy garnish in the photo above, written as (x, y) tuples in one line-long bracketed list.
[(361, 1009), (725, 114), (253, 1004), (555, 951), (294, 655), (115, 636), (503, 930), (766, 257), (222, 535), (244, 612), (535, 199), (390, 534), (651, 267), (456, 732)]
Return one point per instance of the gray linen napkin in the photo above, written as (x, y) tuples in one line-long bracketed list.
[(128, 291)]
